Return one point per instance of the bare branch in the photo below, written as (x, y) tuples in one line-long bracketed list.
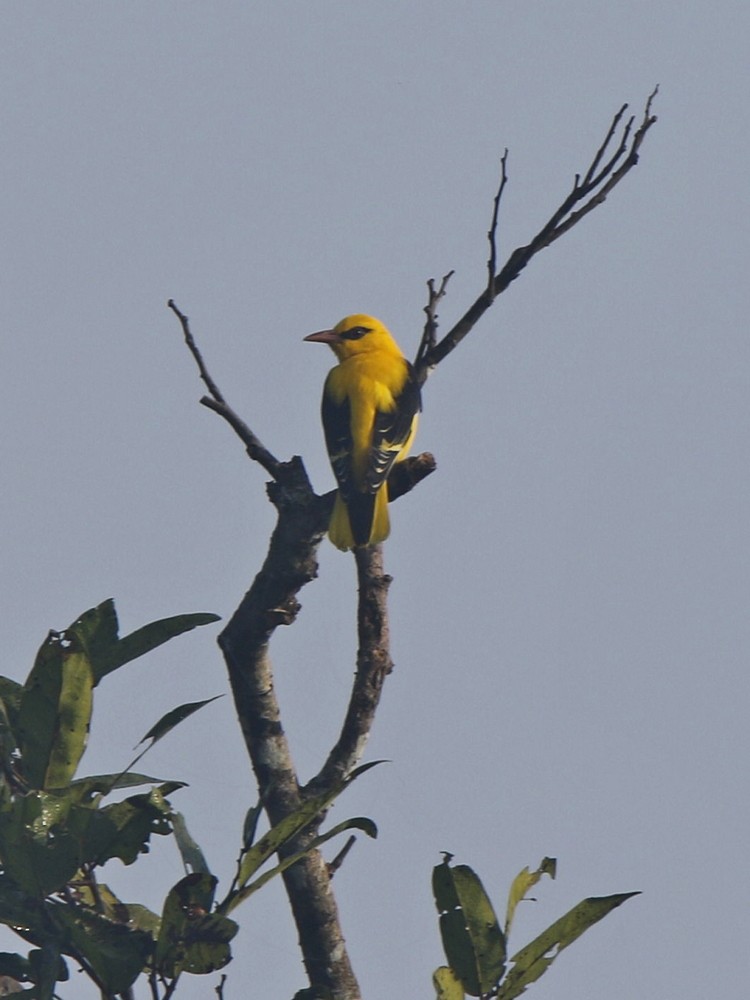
[(597, 183), (193, 348), (492, 234), (291, 562), (429, 335), (373, 666), (253, 445), (333, 866), (408, 474), (272, 601), (216, 402)]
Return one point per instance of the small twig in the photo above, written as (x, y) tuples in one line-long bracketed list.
[(588, 193), (216, 402), (492, 234), (429, 335), (170, 990), (193, 348), (220, 988), (337, 862), (373, 666), (253, 445)]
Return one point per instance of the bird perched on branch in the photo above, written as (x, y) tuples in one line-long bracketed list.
[(371, 401)]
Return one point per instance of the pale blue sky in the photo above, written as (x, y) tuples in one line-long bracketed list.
[(569, 607)]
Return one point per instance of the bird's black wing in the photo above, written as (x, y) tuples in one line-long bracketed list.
[(338, 434), (391, 431)]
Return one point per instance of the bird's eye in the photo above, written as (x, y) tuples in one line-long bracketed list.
[(355, 333)]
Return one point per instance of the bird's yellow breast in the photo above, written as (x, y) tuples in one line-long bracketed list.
[(370, 382)]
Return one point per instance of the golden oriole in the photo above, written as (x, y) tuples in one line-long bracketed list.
[(371, 401)]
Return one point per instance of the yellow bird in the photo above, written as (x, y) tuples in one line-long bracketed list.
[(371, 401)]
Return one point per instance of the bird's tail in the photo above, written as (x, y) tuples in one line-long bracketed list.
[(364, 521)]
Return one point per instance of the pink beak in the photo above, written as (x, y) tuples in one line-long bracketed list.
[(323, 337)]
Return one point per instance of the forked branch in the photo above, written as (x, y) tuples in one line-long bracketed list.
[(291, 562), (603, 174)]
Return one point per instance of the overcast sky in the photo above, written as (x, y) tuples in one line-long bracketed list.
[(569, 611)]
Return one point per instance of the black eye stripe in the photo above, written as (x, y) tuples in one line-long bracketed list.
[(355, 333)]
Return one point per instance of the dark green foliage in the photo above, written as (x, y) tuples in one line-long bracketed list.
[(472, 940), (58, 830), (475, 946)]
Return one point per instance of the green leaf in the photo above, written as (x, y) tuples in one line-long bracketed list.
[(533, 961), (123, 829), (173, 718), (39, 853), (191, 938), (86, 789), (192, 855), (141, 918), (20, 910), (521, 885), (292, 824), (97, 631), (250, 826), (100, 899), (47, 969), (240, 895), (447, 985), (149, 637), (10, 694), (55, 712), (116, 952), (16, 966), (472, 939)]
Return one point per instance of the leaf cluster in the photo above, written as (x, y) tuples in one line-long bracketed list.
[(58, 830), (476, 946)]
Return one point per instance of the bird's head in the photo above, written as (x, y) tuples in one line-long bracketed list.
[(355, 335)]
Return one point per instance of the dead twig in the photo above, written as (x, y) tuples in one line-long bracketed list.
[(587, 193), (216, 402), (333, 866), (492, 233), (429, 334)]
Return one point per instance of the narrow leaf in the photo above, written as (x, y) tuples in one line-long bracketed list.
[(447, 984), (173, 718), (292, 824), (472, 939), (10, 693), (73, 720), (250, 826), (521, 885), (55, 713), (144, 639), (533, 961), (97, 631), (192, 855), (85, 789), (239, 896)]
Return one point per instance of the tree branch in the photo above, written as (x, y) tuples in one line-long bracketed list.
[(272, 600), (291, 562), (429, 335), (373, 666), (492, 234), (215, 401), (597, 183)]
